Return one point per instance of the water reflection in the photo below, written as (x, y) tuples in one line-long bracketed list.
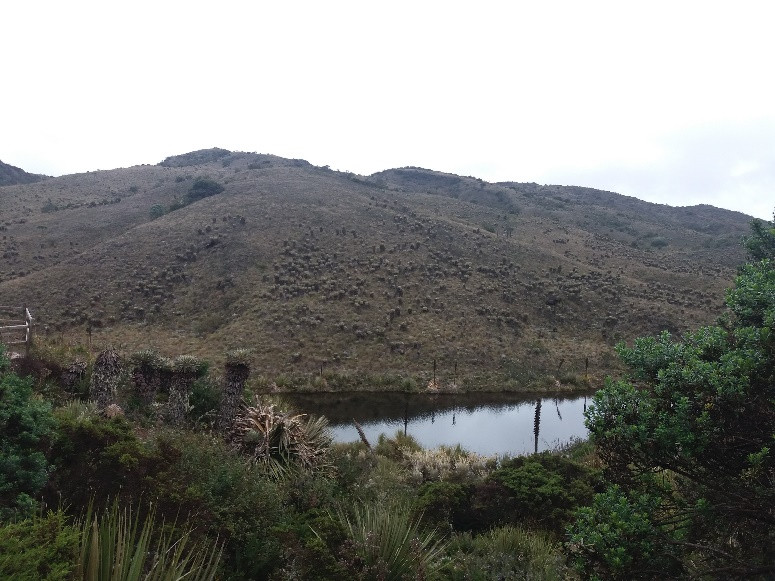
[(482, 423)]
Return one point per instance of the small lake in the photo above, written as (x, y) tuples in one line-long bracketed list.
[(497, 423)]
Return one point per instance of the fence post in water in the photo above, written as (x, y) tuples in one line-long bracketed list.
[(537, 425)]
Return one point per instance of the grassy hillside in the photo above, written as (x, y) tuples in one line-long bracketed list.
[(360, 276)]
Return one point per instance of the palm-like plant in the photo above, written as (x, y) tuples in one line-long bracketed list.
[(280, 439)]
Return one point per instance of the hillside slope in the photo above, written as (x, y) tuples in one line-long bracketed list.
[(381, 275), (11, 175)]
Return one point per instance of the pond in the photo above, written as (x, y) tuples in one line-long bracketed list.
[(492, 424)]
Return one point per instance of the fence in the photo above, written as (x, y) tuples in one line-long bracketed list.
[(16, 330)]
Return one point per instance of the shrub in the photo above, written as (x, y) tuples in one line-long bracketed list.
[(96, 457), (113, 545), (42, 547), (203, 187), (504, 553), (157, 211), (198, 475), (26, 426), (543, 489)]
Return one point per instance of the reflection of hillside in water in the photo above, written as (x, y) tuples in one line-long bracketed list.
[(342, 408)]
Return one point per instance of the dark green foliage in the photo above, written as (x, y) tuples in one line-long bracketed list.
[(543, 489), (619, 537), (446, 504), (25, 430), (96, 458), (696, 448), (761, 243), (203, 187), (232, 501), (41, 548), (504, 553), (205, 400)]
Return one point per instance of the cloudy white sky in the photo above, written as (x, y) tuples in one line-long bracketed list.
[(671, 102)]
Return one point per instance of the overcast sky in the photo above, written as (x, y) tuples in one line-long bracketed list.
[(671, 102)]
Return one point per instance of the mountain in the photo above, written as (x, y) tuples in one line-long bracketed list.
[(10, 175), (333, 277)]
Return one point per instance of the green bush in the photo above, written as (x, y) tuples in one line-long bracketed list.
[(42, 547), (387, 543), (205, 400), (232, 500), (96, 457), (445, 504), (688, 448), (504, 553), (157, 211), (203, 187), (26, 426), (543, 489)]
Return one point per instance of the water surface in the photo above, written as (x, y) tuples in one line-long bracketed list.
[(483, 423)]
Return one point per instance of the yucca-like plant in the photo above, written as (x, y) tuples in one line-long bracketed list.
[(280, 439), (147, 371), (114, 546), (105, 378), (237, 373), (185, 370), (389, 543)]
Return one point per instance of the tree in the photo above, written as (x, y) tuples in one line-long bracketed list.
[(761, 243), (25, 426), (689, 443)]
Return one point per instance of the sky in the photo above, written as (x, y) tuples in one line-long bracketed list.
[(670, 102)]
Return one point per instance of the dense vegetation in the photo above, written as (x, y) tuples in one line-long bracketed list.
[(688, 446), (147, 465)]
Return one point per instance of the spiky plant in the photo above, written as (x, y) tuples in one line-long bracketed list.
[(280, 439), (114, 546), (388, 543)]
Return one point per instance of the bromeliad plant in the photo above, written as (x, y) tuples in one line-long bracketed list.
[(279, 439)]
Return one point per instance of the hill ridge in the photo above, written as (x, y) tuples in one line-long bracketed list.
[(360, 275)]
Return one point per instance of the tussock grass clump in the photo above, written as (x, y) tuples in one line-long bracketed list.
[(448, 463)]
